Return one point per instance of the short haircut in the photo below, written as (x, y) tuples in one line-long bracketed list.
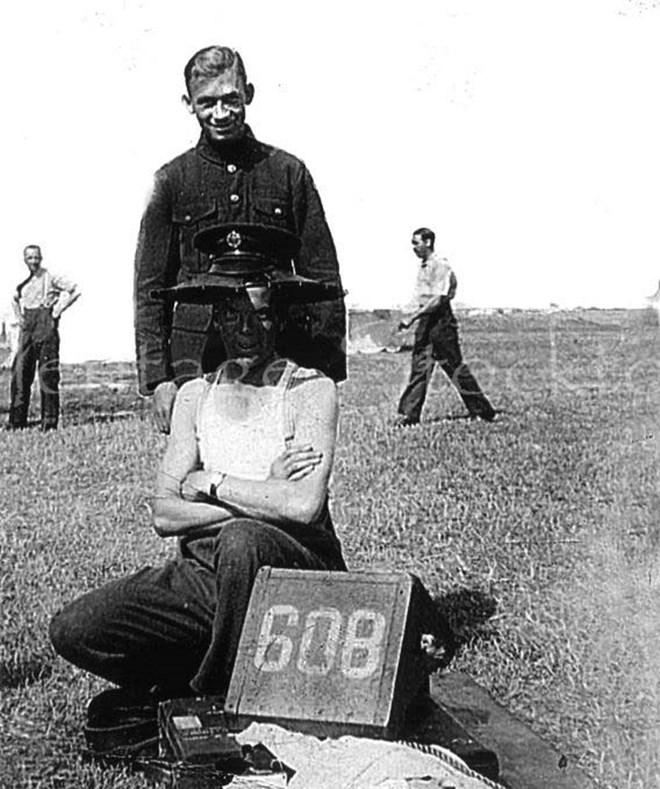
[(426, 234), (211, 61), (31, 246)]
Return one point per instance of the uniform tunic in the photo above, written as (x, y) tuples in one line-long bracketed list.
[(243, 182)]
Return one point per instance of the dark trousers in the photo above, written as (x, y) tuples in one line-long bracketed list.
[(176, 628), (436, 340), (38, 347)]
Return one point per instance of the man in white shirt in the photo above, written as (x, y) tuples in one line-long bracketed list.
[(38, 304), (436, 338)]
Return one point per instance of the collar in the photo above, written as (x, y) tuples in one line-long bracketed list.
[(237, 151)]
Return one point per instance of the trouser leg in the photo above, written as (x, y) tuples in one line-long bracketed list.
[(22, 375), (447, 351), (242, 547), (49, 375), (178, 627), (148, 630), (421, 370)]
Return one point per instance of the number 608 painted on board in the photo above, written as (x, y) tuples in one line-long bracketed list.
[(361, 648)]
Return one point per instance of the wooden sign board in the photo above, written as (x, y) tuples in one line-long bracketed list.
[(332, 653)]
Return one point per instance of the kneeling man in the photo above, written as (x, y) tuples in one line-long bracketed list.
[(243, 484)]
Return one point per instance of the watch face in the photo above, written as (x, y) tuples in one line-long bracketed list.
[(213, 487)]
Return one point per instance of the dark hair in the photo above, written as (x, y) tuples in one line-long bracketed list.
[(426, 235), (211, 61)]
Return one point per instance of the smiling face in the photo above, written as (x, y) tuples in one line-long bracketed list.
[(32, 258), (219, 104), (248, 325)]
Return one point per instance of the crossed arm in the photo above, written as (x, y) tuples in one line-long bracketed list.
[(295, 490)]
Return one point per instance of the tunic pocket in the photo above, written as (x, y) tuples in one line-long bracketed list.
[(273, 211), (187, 221)]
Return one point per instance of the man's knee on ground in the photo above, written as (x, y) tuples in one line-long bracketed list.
[(67, 631), (78, 631)]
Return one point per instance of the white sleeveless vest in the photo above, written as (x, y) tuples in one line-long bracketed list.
[(241, 428)]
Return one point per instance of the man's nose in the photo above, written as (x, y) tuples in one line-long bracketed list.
[(219, 110)]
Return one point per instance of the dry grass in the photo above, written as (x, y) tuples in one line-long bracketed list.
[(539, 534)]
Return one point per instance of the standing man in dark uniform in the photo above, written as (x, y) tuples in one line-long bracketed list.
[(228, 177), (436, 337), (38, 303)]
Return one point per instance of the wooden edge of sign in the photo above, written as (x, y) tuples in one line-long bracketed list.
[(246, 642), (394, 679), (526, 761)]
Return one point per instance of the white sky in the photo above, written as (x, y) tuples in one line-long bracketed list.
[(525, 132)]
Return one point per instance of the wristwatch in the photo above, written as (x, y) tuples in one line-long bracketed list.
[(213, 487)]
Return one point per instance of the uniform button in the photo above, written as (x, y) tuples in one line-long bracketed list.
[(187, 217), (234, 198), (231, 168), (278, 211)]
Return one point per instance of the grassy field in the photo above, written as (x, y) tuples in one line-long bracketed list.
[(539, 534)]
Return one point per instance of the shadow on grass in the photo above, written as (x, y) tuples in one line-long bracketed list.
[(84, 416), (499, 412), (16, 674), (103, 407), (468, 612), (93, 393), (98, 417)]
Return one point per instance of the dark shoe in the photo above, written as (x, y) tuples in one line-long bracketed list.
[(122, 722), (487, 417), (404, 421)]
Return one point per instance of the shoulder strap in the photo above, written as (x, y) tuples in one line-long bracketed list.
[(20, 287), (208, 381), (288, 376)]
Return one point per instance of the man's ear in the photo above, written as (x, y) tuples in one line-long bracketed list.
[(249, 93), (187, 103)]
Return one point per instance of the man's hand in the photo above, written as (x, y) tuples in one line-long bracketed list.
[(163, 404), (295, 463)]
